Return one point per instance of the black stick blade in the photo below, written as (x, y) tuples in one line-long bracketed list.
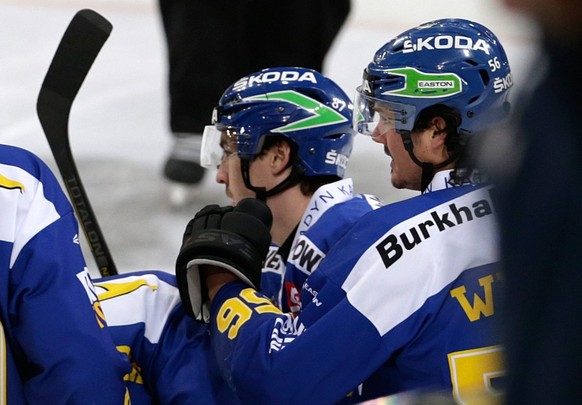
[(81, 43)]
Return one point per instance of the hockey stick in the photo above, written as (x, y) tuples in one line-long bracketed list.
[(80, 45)]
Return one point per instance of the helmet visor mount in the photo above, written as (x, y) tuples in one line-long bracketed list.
[(375, 117)]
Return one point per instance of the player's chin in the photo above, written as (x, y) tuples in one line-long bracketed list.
[(396, 181), (230, 196)]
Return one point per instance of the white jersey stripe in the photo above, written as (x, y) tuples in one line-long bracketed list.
[(400, 281)]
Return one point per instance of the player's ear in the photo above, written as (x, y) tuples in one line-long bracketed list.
[(439, 131), (280, 157)]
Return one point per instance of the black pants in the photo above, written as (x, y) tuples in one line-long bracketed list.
[(212, 43)]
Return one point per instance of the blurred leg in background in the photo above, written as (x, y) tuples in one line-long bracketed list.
[(210, 44)]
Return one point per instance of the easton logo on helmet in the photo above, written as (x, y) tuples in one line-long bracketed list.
[(445, 42), (322, 114), (419, 84)]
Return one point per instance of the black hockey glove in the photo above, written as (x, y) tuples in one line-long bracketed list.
[(236, 239)]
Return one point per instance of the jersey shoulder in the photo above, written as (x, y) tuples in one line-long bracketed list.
[(31, 199), (140, 298), (334, 222), (423, 216), (25, 172)]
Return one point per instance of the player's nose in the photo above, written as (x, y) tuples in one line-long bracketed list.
[(221, 175)]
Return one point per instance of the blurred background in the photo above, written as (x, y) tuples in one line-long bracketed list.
[(119, 129)]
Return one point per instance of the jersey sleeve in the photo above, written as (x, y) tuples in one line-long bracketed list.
[(52, 319), (258, 345)]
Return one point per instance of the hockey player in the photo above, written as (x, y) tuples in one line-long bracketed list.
[(405, 300), (171, 356), (55, 347), (284, 135)]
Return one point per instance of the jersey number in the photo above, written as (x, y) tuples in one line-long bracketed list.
[(235, 312), (474, 374)]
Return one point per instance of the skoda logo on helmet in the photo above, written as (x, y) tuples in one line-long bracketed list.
[(274, 76), (445, 42)]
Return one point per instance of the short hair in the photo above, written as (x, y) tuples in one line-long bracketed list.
[(308, 184)]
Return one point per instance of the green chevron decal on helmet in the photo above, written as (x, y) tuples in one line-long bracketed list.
[(419, 85), (323, 115)]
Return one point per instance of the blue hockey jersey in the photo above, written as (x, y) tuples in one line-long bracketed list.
[(331, 211), (55, 347), (172, 360), (404, 301)]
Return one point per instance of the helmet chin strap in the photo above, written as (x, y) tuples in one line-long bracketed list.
[(428, 169), (262, 193)]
